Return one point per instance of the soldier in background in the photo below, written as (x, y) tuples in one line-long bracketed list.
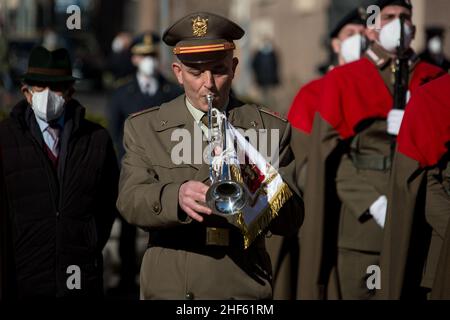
[(350, 156), (119, 64), (348, 43), (148, 88), (419, 212), (434, 51)]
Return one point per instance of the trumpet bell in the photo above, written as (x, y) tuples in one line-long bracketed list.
[(226, 197)]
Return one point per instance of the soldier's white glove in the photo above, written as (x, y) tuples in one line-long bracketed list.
[(394, 121), (378, 210)]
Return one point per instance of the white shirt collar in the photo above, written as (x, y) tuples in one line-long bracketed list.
[(43, 125), (148, 85)]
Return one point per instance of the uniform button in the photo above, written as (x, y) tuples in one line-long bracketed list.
[(253, 123), (189, 296), (156, 207)]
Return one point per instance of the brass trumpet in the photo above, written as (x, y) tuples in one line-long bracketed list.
[(224, 196)]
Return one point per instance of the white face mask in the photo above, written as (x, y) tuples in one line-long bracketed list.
[(352, 47), (390, 35), (435, 45), (47, 105), (148, 66), (117, 45)]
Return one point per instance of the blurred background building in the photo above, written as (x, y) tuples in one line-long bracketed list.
[(296, 30)]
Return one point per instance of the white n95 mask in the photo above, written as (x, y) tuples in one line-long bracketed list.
[(352, 47), (47, 105), (148, 66), (435, 45), (390, 35)]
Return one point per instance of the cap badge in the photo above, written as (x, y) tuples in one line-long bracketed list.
[(199, 27)]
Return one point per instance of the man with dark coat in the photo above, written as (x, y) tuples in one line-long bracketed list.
[(419, 209), (59, 175), (350, 154), (148, 88)]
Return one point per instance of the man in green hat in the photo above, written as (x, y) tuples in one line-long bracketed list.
[(59, 176), (194, 254)]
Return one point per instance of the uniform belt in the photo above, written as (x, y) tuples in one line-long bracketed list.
[(196, 237), (370, 162)]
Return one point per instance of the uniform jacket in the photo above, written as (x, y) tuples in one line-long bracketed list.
[(129, 99), (148, 197), (61, 216), (419, 211), (351, 123)]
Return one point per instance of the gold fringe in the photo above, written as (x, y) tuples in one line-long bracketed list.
[(236, 174), (262, 222)]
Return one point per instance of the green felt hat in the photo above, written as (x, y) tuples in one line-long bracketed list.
[(48, 66)]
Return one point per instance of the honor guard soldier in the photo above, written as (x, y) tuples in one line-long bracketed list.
[(348, 42), (360, 113), (415, 256)]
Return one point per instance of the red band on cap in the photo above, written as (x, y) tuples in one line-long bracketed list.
[(204, 48)]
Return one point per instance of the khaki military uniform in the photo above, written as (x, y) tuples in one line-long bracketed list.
[(181, 261), (349, 165), (362, 177), (414, 260)]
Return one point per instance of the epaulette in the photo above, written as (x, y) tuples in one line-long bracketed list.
[(272, 113), (133, 115)]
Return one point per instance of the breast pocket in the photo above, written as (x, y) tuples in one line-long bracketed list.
[(168, 172)]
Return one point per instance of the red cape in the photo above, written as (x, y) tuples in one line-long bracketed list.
[(355, 92), (425, 129), (305, 105)]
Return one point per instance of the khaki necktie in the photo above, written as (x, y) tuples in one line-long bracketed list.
[(204, 119)]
